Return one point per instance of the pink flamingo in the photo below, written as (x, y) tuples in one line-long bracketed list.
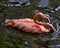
[(31, 25)]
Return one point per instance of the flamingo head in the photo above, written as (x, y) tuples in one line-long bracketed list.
[(46, 16), (41, 15)]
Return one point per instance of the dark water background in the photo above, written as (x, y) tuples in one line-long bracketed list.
[(12, 38)]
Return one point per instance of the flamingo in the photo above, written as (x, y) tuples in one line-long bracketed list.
[(31, 25)]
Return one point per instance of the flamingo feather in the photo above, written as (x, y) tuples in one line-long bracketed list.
[(31, 25)]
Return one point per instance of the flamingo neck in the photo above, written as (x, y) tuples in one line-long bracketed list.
[(51, 28)]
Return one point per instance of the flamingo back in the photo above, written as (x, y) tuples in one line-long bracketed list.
[(27, 25)]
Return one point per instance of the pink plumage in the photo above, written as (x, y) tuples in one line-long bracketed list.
[(29, 25)]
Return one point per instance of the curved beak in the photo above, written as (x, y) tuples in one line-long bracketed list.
[(41, 15), (45, 16)]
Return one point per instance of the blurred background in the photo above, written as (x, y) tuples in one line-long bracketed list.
[(16, 9)]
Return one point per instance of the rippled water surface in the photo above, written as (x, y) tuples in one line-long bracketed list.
[(13, 38)]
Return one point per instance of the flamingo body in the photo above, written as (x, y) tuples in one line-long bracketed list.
[(27, 25)]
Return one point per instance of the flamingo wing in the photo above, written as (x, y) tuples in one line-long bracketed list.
[(27, 25)]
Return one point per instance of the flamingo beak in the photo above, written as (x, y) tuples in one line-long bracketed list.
[(46, 16), (47, 19), (41, 15)]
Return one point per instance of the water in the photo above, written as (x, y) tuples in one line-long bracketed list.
[(13, 38)]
